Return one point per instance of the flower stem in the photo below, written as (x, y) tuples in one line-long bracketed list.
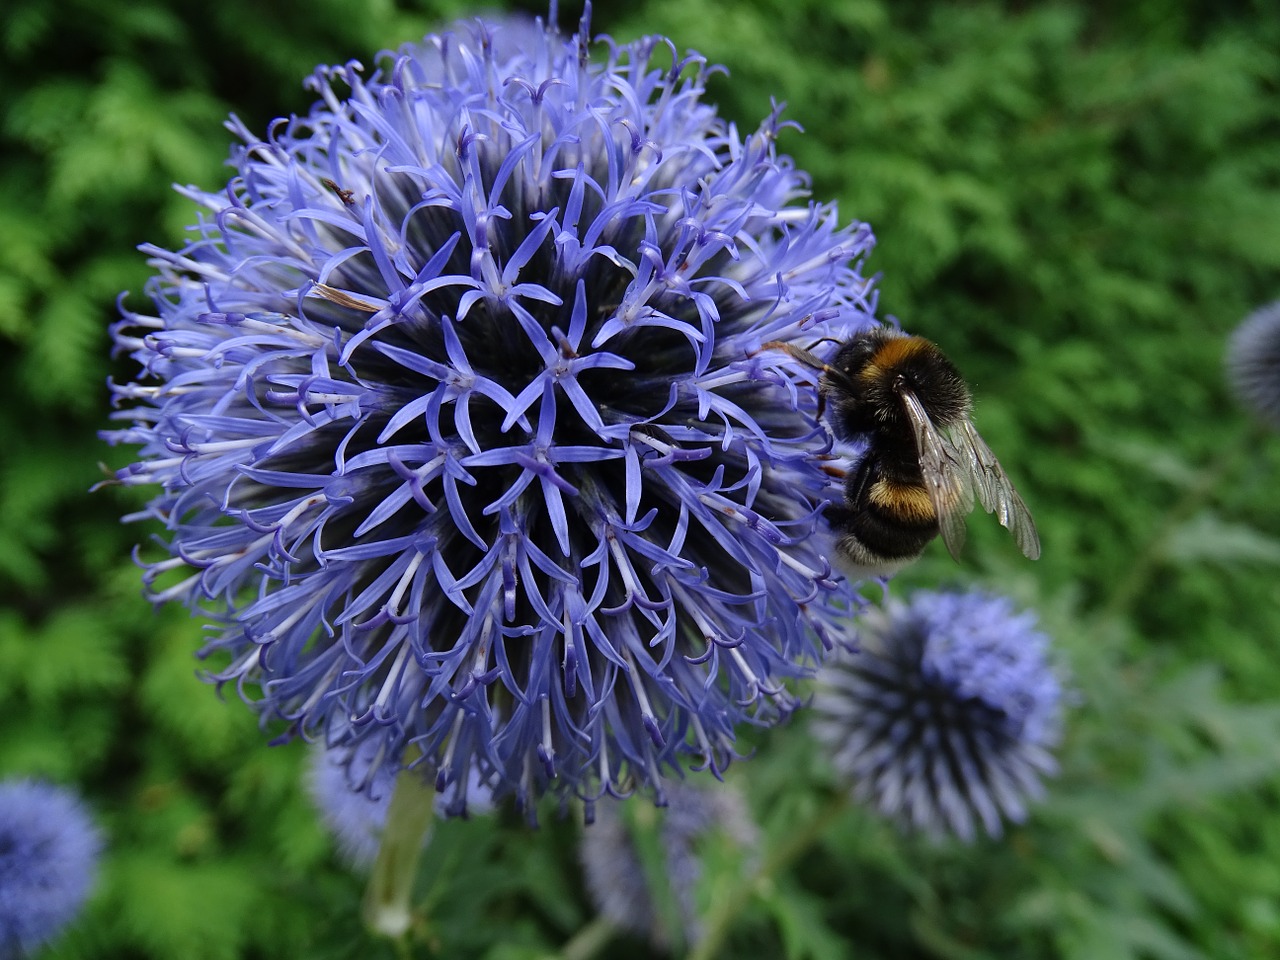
[(386, 907), (720, 918), (589, 941)]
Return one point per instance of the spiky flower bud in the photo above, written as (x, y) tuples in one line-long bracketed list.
[(49, 851), (1253, 364), (946, 718), (461, 432)]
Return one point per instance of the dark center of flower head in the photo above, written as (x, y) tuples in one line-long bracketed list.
[(458, 415)]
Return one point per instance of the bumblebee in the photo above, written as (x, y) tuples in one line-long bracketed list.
[(925, 462)]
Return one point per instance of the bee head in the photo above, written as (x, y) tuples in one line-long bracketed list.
[(881, 364), (859, 352)]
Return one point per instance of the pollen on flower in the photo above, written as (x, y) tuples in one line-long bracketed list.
[(461, 438)]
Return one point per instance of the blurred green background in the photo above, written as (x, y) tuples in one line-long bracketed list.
[(1077, 205)]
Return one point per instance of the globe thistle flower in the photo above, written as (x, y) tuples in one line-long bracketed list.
[(1253, 364), (946, 717), (614, 869), (49, 850), (353, 797), (460, 429)]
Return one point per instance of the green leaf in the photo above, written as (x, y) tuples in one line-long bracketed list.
[(1207, 537), (802, 922), (191, 910)]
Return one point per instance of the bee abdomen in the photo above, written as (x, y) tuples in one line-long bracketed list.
[(885, 527), (905, 504), (887, 531)]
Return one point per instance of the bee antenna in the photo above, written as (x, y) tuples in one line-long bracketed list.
[(798, 353), (810, 360), (825, 340)]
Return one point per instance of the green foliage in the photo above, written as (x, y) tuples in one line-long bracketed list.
[(1078, 205)]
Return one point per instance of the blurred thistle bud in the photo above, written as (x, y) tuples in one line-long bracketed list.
[(353, 795), (460, 432), (1253, 364), (49, 850), (655, 897), (946, 717)]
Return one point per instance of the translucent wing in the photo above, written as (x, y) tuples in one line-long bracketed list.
[(946, 473), (995, 491)]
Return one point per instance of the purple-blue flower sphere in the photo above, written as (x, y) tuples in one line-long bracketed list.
[(49, 851), (946, 718), (1253, 364), (461, 433)]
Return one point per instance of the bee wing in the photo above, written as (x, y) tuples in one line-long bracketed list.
[(946, 474), (995, 491)]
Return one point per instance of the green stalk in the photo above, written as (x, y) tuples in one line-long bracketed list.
[(387, 908), (589, 941), (720, 918)]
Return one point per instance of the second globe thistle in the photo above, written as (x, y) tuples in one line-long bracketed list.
[(459, 430), (946, 718)]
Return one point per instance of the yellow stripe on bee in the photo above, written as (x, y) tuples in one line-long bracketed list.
[(905, 501), (892, 353)]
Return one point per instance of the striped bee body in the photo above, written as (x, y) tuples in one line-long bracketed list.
[(925, 464)]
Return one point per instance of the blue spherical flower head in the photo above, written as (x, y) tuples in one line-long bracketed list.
[(461, 431), (947, 716), (49, 850), (1253, 364)]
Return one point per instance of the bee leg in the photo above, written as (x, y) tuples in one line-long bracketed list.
[(856, 484), (872, 540), (844, 516)]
